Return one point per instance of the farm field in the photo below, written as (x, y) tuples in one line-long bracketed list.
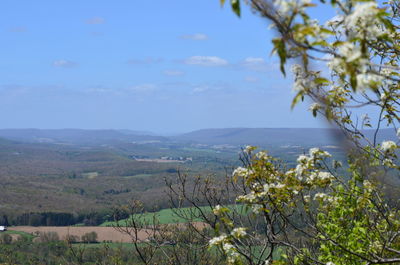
[(103, 233), (171, 216)]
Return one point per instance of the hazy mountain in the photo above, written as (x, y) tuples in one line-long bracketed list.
[(230, 136), (274, 136), (76, 136)]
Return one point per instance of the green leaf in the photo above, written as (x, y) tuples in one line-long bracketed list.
[(296, 99), (235, 6), (321, 81), (281, 50)]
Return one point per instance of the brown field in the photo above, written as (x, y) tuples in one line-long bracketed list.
[(103, 233)]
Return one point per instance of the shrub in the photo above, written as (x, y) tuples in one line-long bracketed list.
[(5, 239), (90, 237)]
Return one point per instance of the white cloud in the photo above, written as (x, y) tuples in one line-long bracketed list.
[(206, 61), (210, 87), (173, 73), (64, 64), (197, 36), (257, 64), (254, 60), (96, 20)]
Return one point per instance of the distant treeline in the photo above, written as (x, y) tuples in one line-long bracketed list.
[(63, 219)]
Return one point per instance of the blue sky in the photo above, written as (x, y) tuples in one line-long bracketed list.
[(163, 66)]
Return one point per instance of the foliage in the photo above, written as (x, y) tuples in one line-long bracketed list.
[(90, 237), (336, 217), (47, 237), (5, 238)]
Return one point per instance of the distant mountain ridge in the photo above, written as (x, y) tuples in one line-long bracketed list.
[(262, 136), (278, 136), (76, 136), (229, 136)]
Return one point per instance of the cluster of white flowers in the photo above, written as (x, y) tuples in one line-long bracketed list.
[(248, 198), (314, 107), (303, 159), (256, 208), (301, 82), (364, 13), (363, 21), (330, 263), (231, 252), (286, 6), (262, 155), (320, 196), (367, 185), (317, 153), (366, 80), (227, 247), (388, 146), (217, 209), (215, 241), (388, 163), (350, 52), (248, 149), (239, 232), (335, 21), (242, 172), (337, 65)]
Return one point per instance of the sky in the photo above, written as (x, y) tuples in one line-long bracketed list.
[(161, 66)]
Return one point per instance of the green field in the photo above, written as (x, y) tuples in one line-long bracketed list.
[(23, 234), (170, 216)]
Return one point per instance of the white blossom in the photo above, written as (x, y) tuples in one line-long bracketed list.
[(367, 185), (297, 69), (334, 21), (241, 172), (239, 232), (302, 159), (319, 195), (217, 209), (366, 80), (325, 176), (387, 146), (217, 240), (256, 208), (363, 14), (228, 247), (388, 162), (286, 6), (262, 155), (248, 149), (300, 171), (350, 52), (314, 106)]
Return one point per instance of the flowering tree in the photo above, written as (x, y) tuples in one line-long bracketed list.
[(321, 212)]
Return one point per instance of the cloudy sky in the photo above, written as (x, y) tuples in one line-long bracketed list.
[(164, 66)]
